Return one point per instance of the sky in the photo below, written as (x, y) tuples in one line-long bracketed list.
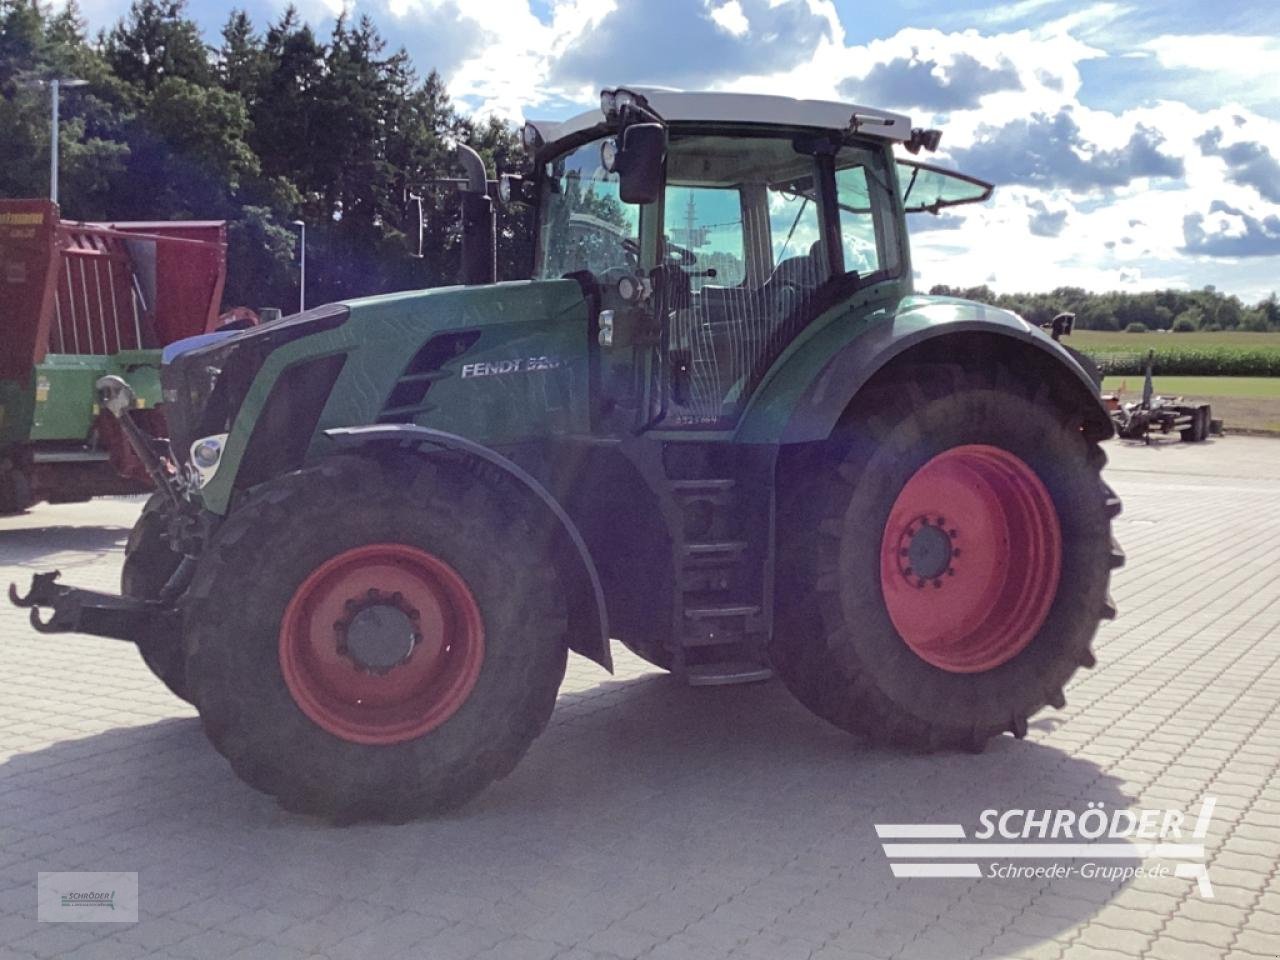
[(1133, 146)]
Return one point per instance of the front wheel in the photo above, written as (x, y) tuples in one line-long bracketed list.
[(149, 562), (961, 564), (376, 639)]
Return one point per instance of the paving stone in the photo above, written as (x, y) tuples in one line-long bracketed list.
[(660, 821)]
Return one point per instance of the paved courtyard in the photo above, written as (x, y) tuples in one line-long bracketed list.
[(653, 820)]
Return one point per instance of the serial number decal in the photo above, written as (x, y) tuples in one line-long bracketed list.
[(504, 368), (21, 219)]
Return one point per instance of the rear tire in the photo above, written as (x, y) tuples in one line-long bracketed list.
[(15, 488), (148, 564), (257, 641), (837, 647)]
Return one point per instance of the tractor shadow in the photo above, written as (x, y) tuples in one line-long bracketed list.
[(640, 788)]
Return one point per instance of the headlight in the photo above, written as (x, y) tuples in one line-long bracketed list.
[(608, 102), (206, 454)]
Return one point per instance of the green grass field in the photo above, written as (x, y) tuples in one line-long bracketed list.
[(1105, 341), (1183, 354), (1198, 386)]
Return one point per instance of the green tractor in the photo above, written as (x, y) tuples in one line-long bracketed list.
[(715, 424)]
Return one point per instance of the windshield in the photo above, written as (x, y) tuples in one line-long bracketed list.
[(585, 225)]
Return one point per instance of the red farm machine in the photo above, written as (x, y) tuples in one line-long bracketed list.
[(79, 301)]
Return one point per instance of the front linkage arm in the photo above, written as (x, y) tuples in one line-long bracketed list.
[(104, 614), (87, 611)]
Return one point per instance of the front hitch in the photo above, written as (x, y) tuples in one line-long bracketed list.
[(97, 614), (118, 399)]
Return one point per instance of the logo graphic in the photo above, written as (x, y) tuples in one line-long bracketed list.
[(1074, 842), (87, 897)]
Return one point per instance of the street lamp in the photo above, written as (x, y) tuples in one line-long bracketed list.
[(302, 279), (56, 84)]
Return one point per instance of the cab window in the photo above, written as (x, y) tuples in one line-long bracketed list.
[(868, 232), (584, 223)]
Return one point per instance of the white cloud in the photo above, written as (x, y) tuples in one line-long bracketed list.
[(1218, 53), (730, 17)]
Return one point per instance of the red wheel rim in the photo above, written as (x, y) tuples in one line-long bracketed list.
[(381, 643), (970, 559)]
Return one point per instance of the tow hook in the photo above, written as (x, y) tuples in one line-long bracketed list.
[(98, 614)]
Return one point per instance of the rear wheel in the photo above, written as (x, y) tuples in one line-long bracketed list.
[(961, 566), (376, 640), (149, 562), (15, 488)]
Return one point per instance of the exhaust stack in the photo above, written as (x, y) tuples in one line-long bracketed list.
[(479, 226)]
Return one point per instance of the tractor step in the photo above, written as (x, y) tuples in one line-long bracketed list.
[(715, 551), (708, 485), (729, 672), (722, 611), (721, 626)]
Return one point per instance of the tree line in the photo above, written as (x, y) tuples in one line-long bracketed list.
[(277, 124), (268, 127), (1177, 310)]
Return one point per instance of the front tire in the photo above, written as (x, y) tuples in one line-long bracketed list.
[(149, 562), (376, 640), (947, 559)]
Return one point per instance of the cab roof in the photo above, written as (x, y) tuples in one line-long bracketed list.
[(678, 106)]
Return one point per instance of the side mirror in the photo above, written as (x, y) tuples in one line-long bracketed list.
[(637, 161), (513, 188)]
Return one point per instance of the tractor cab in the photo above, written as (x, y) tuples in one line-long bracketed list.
[(713, 228)]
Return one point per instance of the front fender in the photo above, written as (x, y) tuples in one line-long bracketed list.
[(812, 384), (588, 619)]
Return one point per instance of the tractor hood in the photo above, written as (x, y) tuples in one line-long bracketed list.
[(492, 363)]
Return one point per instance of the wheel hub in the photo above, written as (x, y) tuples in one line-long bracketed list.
[(381, 643), (380, 635), (984, 611), (926, 551)]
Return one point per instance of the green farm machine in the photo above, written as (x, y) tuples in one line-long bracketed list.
[(80, 301), (715, 424)]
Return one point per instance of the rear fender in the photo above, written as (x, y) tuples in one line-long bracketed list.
[(814, 382), (588, 620)]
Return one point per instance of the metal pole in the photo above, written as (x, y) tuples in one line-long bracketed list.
[(53, 143), (302, 261)]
